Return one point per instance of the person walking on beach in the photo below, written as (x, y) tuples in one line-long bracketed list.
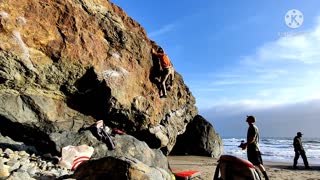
[(252, 146), (167, 71), (298, 149)]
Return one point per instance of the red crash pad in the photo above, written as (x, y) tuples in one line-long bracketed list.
[(186, 174)]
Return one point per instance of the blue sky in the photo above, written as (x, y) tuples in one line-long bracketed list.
[(240, 57)]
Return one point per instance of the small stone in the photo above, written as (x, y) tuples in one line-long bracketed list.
[(25, 160), (50, 165), (33, 159), (4, 160), (27, 155), (22, 153), (14, 164), (48, 175), (19, 175), (11, 162), (8, 151), (32, 171), (55, 172), (63, 172), (44, 168), (4, 170), (24, 167), (15, 156)]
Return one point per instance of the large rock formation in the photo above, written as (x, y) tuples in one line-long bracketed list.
[(125, 146), (200, 139), (65, 64)]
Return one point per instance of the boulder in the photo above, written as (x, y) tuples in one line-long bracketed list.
[(200, 139), (125, 146), (119, 168), (66, 64)]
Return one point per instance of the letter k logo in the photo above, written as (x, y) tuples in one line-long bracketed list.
[(294, 18)]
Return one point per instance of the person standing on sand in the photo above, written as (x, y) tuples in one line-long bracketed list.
[(252, 146), (298, 149)]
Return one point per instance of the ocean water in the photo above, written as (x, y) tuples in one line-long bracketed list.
[(276, 149)]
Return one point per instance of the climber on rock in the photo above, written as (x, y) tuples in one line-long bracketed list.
[(166, 73)]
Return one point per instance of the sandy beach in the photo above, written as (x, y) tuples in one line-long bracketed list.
[(275, 170)]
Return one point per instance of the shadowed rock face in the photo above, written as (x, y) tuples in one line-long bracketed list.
[(65, 64), (119, 168), (125, 146), (200, 139)]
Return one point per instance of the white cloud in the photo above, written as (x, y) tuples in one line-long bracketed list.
[(285, 70), (236, 82), (302, 47), (165, 29), (225, 75), (209, 89)]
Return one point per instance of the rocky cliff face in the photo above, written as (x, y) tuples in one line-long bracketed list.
[(66, 64)]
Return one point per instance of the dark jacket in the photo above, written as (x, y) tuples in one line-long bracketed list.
[(297, 144)]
